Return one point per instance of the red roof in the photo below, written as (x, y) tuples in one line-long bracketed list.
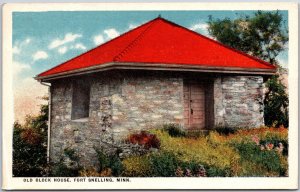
[(161, 42)]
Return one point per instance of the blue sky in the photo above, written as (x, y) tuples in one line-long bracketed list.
[(42, 40)]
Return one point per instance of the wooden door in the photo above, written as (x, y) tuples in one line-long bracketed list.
[(194, 105)]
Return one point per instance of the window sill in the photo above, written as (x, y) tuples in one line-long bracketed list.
[(81, 120)]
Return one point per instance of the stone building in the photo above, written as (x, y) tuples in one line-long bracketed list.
[(158, 73)]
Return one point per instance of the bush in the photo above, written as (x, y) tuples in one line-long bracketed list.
[(137, 166), (163, 164), (216, 172), (29, 153), (174, 130), (190, 169), (111, 162), (200, 150), (68, 166), (30, 146), (225, 130), (145, 139), (276, 103), (267, 159), (94, 173), (62, 170)]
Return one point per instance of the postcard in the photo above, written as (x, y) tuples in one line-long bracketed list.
[(150, 96)]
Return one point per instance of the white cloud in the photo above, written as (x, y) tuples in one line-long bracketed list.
[(62, 50), (16, 50), (132, 26), (18, 46), (199, 27), (80, 46), (111, 33), (202, 28), (98, 39), (39, 55), (69, 37), (27, 41), (19, 68)]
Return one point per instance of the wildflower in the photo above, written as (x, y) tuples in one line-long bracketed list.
[(262, 147), (201, 172), (188, 173), (280, 147), (269, 146), (179, 172), (255, 138)]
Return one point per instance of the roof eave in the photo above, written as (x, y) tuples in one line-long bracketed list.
[(159, 67)]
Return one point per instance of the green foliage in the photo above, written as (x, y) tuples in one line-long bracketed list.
[(116, 165), (163, 164), (69, 168), (201, 151), (190, 169), (262, 36), (29, 146), (137, 166), (174, 130), (276, 143), (112, 162), (217, 172), (103, 160), (225, 130), (62, 170), (70, 153), (266, 159), (276, 103)]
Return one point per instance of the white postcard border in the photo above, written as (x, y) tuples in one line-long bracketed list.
[(290, 182)]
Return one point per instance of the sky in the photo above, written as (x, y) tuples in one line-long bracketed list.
[(42, 40)]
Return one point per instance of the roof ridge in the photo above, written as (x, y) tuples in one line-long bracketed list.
[(219, 43), (133, 43)]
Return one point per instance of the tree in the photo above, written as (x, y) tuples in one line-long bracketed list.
[(30, 145), (262, 36)]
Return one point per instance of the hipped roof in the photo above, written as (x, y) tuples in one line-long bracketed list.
[(161, 45)]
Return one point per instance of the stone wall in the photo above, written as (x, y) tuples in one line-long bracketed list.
[(147, 101), (119, 103), (87, 134), (238, 101)]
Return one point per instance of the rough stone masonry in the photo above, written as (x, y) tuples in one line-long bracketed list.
[(125, 102)]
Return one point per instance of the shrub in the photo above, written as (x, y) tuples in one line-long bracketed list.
[(116, 166), (174, 130), (111, 162), (217, 172), (163, 164), (200, 150), (29, 153), (60, 169), (276, 102), (29, 146), (145, 139), (225, 130), (190, 169), (94, 173), (68, 166), (267, 159), (137, 166)]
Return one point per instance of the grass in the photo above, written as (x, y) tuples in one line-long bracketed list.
[(244, 152)]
